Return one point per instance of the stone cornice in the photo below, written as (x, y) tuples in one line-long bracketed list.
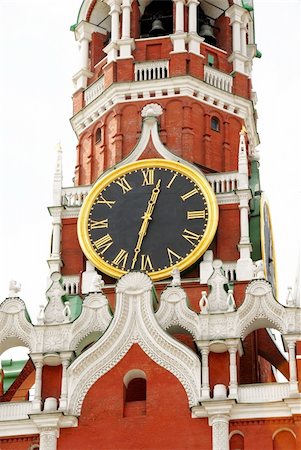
[(186, 85)]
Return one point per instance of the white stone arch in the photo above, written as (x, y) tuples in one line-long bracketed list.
[(15, 329), (260, 310), (283, 429), (100, 11), (134, 322)]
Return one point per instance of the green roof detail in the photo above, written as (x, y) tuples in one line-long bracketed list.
[(12, 370), (76, 305), (73, 27), (258, 54)]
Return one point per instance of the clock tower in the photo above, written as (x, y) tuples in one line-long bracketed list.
[(157, 333)]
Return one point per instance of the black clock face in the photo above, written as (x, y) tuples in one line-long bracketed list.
[(148, 219)]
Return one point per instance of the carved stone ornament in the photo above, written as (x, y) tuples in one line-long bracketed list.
[(134, 322), (152, 110), (217, 298), (54, 311)]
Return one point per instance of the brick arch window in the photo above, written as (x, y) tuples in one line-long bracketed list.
[(135, 386), (215, 124), (284, 439), (237, 441), (98, 135)]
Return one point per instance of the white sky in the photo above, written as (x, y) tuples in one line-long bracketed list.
[(39, 56)]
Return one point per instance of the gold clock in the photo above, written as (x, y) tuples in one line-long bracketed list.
[(151, 215)]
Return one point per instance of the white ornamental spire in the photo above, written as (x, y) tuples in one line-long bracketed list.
[(58, 177), (243, 169)]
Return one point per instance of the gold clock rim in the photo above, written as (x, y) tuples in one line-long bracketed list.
[(263, 203), (107, 178)]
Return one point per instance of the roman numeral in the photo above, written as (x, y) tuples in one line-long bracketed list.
[(171, 254), (121, 259), (123, 183), (148, 176), (196, 214), (146, 263), (102, 200), (96, 224), (191, 237), (172, 180), (189, 194), (102, 244)]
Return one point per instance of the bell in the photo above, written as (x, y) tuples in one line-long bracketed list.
[(157, 28), (206, 32)]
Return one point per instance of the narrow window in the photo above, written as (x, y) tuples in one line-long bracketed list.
[(98, 135), (136, 390), (215, 124), (210, 60)]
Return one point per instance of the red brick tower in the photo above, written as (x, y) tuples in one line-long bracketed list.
[(157, 334)]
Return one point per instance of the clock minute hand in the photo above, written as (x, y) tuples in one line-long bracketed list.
[(147, 217)]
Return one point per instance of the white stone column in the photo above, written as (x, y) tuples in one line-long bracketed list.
[(112, 48), (38, 362), (243, 39), (205, 373), (244, 267), (65, 358), (55, 262), (194, 40), (236, 14), (220, 431), (83, 35), (236, 36), (291, 345), (233, 372), (126, 44), (126, 19), (48, 438), (179, 37), (179, 16)]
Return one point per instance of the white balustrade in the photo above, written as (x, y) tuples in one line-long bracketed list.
[(218, 79), (222, 183), (74, 196), (71, 284), (93, 91), (263, 392), (152, 70), (230, 270), (15, 410)]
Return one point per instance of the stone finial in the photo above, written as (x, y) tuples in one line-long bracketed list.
[(97, 283), (67, 312), (258, 270), (54, 310), (41, 315), (243, 169), (203, 303), (230, 301), (152, 110), (206, 268), (290, 301), (58, 177), (14, 289), (218, 298), (176, 278)]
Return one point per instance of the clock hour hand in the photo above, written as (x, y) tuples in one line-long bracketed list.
[(147, 217)]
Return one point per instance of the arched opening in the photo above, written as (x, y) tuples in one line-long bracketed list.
[(98, 135), (205, 27), (157, 19), (284, 439), (135, 393), (17, 375), (215, 124), (237, 441)]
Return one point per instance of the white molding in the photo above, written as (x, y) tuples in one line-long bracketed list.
[(133, 322), (187, 86)]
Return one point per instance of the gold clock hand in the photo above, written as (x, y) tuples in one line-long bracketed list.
[(147, 216)]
